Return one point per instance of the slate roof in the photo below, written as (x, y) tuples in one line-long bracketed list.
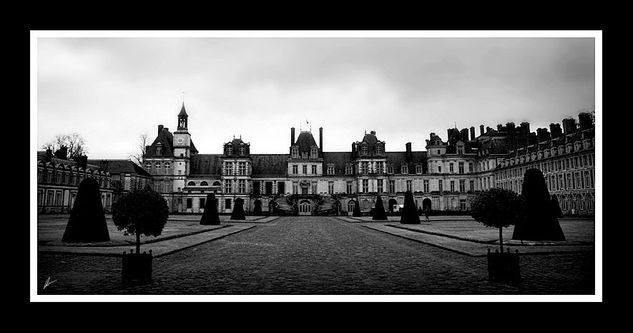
[(305, 141), (120, 166), (269, 165), (397, 159), (339, 159), (208, 164), (166, 139)]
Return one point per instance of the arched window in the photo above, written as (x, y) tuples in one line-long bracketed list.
[(191, 184), (203, 183)]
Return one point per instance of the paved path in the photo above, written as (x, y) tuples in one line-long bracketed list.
[(317, 255)]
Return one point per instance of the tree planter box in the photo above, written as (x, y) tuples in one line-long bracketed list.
[(137, 268), (504, 267)]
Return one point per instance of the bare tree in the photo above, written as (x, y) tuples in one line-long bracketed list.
[(74, 143), (137, 156)]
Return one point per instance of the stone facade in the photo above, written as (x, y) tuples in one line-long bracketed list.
[(309, 180)]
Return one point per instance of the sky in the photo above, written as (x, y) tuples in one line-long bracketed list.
[(112, 90)]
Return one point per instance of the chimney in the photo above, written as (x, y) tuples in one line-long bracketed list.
[(525, 128), (472, 133), (481, 130), (542, 134), (321, 139), (49, 155), (585, 121), (409, 155), (488, 129), (292, 136), (555, 130), (569, 125), (464, 134), (160, 129)]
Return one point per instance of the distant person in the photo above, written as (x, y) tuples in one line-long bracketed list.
[(426, 215)]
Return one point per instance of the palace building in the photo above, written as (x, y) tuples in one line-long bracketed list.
[(311, 181)]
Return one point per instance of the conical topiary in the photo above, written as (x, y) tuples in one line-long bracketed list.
[(379, 210), (556, 207), (409, 213), (357, 212), (87, 221), (210, 215), (238, 210), (257, 211), (540, 222)]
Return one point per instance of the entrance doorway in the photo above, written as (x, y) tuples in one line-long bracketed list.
[(305, 208), (426, 204)]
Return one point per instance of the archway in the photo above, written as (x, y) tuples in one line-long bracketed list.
[(337, 207), (392, 203), (350, 206), (426, 204)]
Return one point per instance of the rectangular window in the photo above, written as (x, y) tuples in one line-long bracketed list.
[(379, 185), (439, 186), (348, 169), (392, 186), (295, 169), (256, 186), (58, 198), (268, 187), (349, 187), (364, 169), (295, 188), (227, 186), (470, 167), (426, 186), (330, 169), (242, 168), (452, 186), (390, 169), (314, 169), (462, 204), (418, 169), (450, 168), (228, 168), (365, 185), (461, 167), (330, 187), (409, 187), (189, 202), (314, 188), (201, 202), (227, 204), (380, 168), (472, 185), (281, 187), (305, 169), (462, 185), (405, 169), (439, 169), (241, 186)]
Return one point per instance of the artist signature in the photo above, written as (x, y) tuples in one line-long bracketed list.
[(48, 282)]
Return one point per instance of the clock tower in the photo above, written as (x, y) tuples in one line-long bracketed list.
[(182, 146)]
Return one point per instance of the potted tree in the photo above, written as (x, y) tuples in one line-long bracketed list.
[(499, 208), (87, 221), (356, 212), (210, 214), (238, 210), (139, 212)]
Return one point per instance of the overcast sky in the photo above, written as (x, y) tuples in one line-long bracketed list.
[(111, 90)]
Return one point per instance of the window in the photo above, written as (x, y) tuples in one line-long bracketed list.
[(450, 167), (295, 152), (228, 186), (305, 169), (229, 150), (281, 187), (426, 185), (390, 169), (203, 183), (295, 169), (462, 185), (295, 188), (241, 168), (268, 187), (256, 187), (470, 167), (363, 150), (365, 185), (241, 186), (439, 186), (330, 187), (314, 169), (191, 184), (452, 186), (227, 203), (58, 198), (348, 169), (330, 169), (462, 204), (314, 187), (364, 168), (392, 186), (439, 169), (472, 185), (418, 169), (404, 169), (409, 187), (379, 149), (228, 168), (201, 202), (380, 167), (379, 183), (314, 152), (242, 151), (460, 149), (461, 167), (189, 203)]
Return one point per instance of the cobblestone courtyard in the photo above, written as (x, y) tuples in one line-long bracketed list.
[(316, 255)]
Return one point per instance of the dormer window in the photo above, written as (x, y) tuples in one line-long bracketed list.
[(242, 151), (295, 152), (390, 169), (363, 150), (348, 169), (228, 150), (418, 169), (379, 149), (460, 149), (304, 154), (330, 169), (314, 152), (404, 169)]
